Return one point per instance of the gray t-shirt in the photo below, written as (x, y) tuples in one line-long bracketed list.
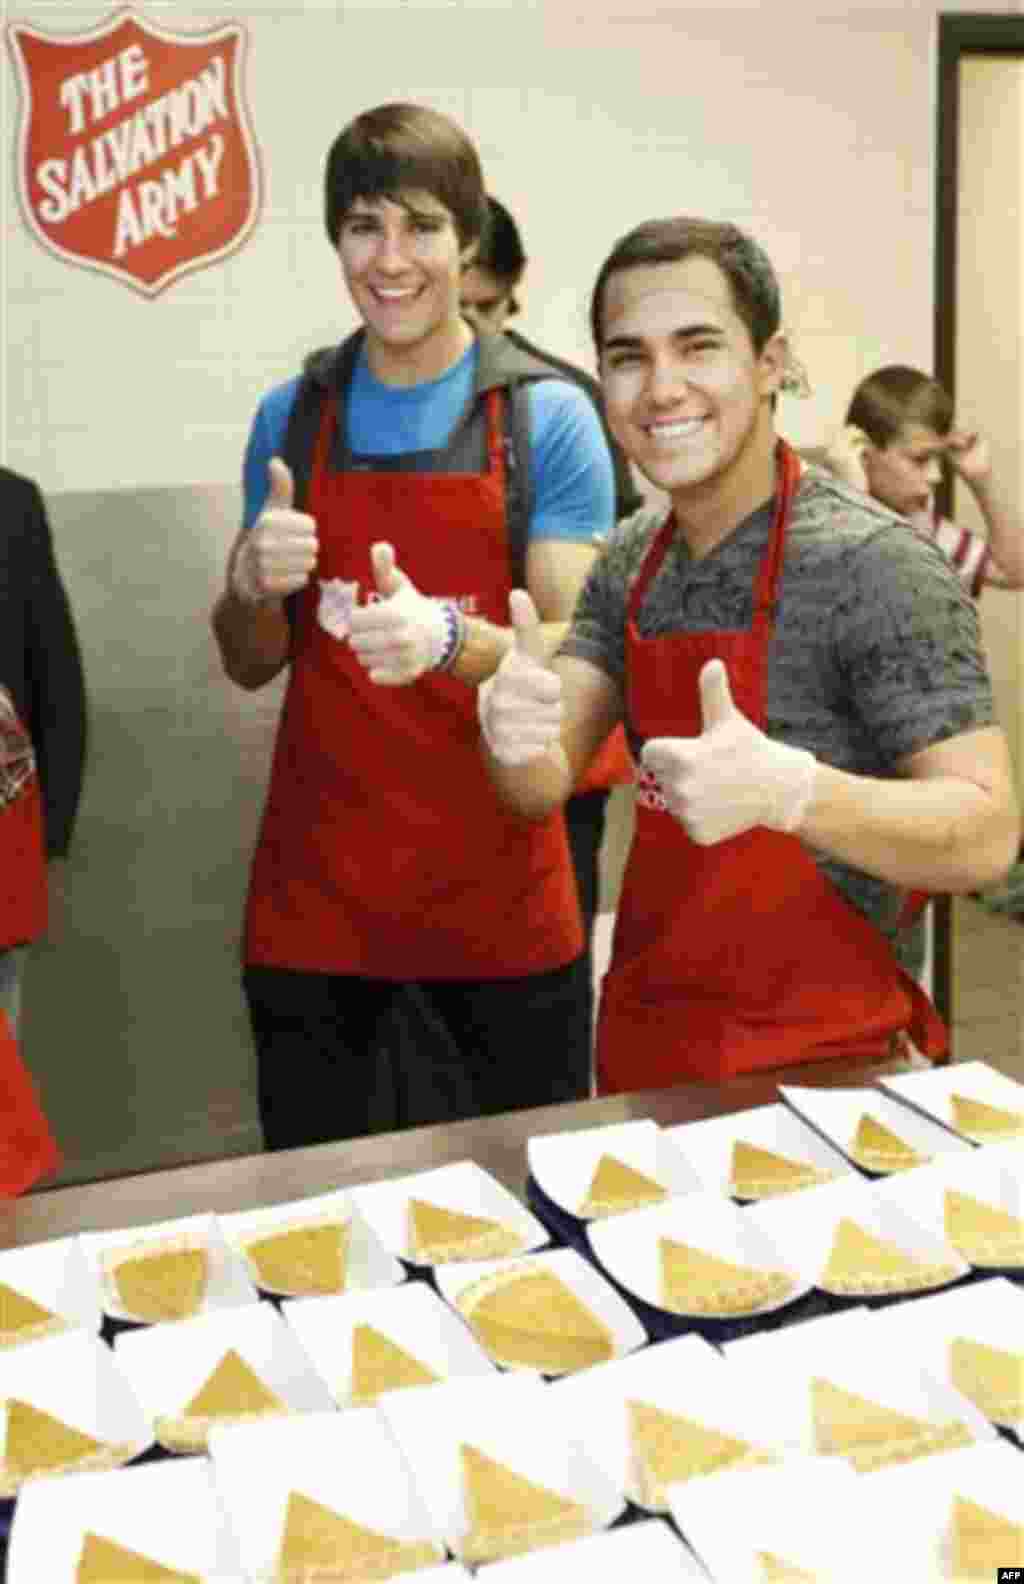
[(876, 652)]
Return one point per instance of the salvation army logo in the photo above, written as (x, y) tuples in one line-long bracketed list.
[(135, 154)]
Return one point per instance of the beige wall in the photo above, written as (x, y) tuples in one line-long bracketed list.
[(990, 327), (815, 131)]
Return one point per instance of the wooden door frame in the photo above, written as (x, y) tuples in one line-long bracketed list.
[(960, 35)]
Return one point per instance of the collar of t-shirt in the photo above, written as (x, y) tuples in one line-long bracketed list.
[(391, 419)]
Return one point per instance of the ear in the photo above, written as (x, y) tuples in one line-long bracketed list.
[(772, 364)]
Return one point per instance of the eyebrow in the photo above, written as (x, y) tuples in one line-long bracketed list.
[(684, 333)]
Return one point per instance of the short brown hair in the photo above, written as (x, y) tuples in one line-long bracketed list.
[(746, 266), (897, 395), (402, 148)]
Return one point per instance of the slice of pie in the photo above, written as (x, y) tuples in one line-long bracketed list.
[(167, 1284), (380, 1365), (302, 1261), (233, 1393), (982, 1233), (317, 1543), (668, 1447), (872, 1436), (528, 1317), (878, 1149), (102, 1561), (616, 1187), (437, 1235), (756, 1173), (509, 1514), (982, 1542), (775, 1571), (22, 1319), (985, 1123), (693, 1282), (992, 1378), (862, 1265), (37, 1443)]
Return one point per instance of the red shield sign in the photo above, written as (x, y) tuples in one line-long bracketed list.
[(135, 153)]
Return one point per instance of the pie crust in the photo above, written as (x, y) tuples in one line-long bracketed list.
[(528, 1317), (982, 1233), (616, 1187), (990, 1377), (668, 1447), (982, 1542), (756, 1173), (24, 1320), (160, 1282), (37, 1443), (984, 1123), (878, 1149), (861, 1265), (695, 1283), (438, 1235), (317, 1543), (509, 1514), (872, 1436), (306, 1259), (232, 1394), (380, 1365), (103, 1561)]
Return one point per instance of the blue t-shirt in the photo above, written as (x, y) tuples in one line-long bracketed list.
[(571, 475)]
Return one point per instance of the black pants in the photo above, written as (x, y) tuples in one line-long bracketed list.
[(325, 1073)]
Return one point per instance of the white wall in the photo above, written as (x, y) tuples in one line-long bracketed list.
[(811, 126)]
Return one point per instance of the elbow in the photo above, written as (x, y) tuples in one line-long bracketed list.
[(989, 861)]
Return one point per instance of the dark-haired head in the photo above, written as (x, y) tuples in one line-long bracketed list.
[(400, 149), (746, 266), (894, 396)]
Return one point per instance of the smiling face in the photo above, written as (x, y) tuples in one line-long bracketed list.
[(904, 473), (403, 267), (686, 394)]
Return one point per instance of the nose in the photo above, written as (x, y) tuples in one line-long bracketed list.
[(933, 472), (666, 381), (390, 252)]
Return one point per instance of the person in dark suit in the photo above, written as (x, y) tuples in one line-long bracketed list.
[(42, 679)]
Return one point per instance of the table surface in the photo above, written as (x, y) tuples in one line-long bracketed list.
[(496, 1143)]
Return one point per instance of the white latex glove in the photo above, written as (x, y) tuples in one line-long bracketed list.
[(277, 554), (402, 634), (520, 706), (732, 777)]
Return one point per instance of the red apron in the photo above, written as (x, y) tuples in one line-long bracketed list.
[(384, 851), (611, 766), (23, 894), (28, 1149), (741, 955)]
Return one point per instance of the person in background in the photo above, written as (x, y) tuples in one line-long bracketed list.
[(899, 429), (42, 726), (490, 295), (802, 681), (376, 569)]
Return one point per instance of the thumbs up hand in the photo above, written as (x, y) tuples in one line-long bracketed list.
[(277, 554), (520, 706), (402, 633), (732, 777)]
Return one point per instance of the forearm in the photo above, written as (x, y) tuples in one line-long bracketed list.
[(945, 834), (486, 645), (1005, 531), (254, 640)]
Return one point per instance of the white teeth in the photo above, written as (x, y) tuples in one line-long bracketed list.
[(675, 431), (394, 296)]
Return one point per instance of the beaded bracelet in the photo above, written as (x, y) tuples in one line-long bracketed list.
[(455, 635)]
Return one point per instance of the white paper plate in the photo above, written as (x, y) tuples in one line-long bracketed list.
[(803, 1226), (461, 1186), (648, 1552), (587, 1284), (794, 1511), (75, 1377), (836, 1113), (227, 1284), (168, 1512), (990, 1176), (346, 1462), (708, 1145), (896, 1525), (931, 1091), (990, 1312), (627, 1246), (512, 1418), (368, 1264), (685, 1376), (413, 1316), (844, 1350), (167, 1364), (563, 1164), (58, 1276)]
